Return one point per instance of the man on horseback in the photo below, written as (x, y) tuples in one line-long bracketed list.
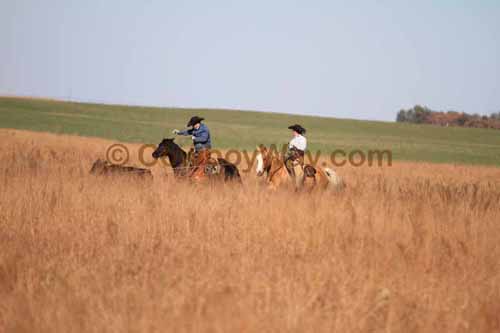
[(294, 159), (200, 135)]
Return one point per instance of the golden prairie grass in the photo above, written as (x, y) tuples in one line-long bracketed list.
[(414, 248)]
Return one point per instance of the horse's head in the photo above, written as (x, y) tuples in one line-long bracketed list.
[(163, 148), (263, 159)]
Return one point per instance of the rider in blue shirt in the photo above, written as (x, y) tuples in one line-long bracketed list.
[(199, 133)]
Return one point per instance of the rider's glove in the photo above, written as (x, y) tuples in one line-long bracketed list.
[(193, 137), (175, 131)]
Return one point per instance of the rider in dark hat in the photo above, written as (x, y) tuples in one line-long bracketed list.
[(199, 133), (294, 160), (298, 129), (201, 140), (299, 141)]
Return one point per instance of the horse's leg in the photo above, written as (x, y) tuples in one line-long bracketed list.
[(285, 177), (277, 180)]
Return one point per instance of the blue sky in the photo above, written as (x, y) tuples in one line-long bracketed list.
[(350, 59)]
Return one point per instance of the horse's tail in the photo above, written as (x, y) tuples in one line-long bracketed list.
[(231, 172), (335, 182), (236, 174)]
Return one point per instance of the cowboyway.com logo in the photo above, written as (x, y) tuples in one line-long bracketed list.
[(119, 154)]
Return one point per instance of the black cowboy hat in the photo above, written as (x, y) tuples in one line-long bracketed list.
[(297, 128), (194, 120)]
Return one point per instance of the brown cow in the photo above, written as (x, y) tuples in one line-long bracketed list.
[(104, 168)]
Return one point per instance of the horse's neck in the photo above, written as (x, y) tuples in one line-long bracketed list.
[(177, 158), (276, 165)]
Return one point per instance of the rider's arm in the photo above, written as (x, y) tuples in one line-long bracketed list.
[(186, 132)]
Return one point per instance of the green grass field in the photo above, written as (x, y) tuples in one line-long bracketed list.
[(244, 130)]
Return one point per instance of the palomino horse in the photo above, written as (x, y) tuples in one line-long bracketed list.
[(179, 160), (272, 164)]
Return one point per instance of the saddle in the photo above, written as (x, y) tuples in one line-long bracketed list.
[(202, 163), (309, 170)]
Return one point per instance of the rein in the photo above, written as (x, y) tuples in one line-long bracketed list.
[(275, 171)]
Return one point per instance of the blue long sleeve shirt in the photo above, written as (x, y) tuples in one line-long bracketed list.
[(201, 137)]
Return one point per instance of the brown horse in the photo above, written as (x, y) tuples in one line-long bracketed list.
[(272, 164), (183, 166)]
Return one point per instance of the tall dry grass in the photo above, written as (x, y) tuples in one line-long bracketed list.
[(411, 248)]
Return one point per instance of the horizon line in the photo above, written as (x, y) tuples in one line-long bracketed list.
[(104, 103)]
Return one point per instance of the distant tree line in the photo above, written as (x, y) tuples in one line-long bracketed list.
[(423, 115)]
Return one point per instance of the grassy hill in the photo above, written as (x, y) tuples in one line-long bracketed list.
[(245, 129)]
